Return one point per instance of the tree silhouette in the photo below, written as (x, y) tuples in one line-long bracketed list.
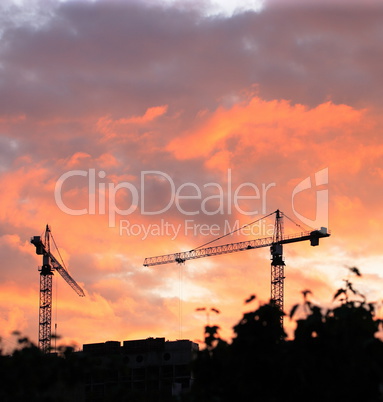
[(334, 356)]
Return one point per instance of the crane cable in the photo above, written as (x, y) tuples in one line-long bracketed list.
[(236, 230), (56, 317), (56, 286), (203, 245), (295, 223), (58, 252), (180, 300)]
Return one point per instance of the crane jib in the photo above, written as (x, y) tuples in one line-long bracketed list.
[(312, 236), (41, 250)]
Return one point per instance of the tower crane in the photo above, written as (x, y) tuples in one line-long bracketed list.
[(50, 264), (275, 243)]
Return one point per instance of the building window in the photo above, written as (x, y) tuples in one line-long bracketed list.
[(139, 359)]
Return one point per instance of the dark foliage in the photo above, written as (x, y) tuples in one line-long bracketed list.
[(29, 375), (334, 356)]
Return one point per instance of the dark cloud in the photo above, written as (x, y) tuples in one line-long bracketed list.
[(112, 57)]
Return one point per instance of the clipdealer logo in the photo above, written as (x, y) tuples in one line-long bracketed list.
[(322, 200), (225, 200), (189, 199), (190, 228)]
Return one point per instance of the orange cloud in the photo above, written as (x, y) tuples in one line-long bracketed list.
[(76, 159), (110, 128), (267, 126)]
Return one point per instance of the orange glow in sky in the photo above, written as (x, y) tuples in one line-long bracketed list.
[(140, 128)]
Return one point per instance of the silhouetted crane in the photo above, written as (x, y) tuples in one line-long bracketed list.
[(50, 264), (275, 243)]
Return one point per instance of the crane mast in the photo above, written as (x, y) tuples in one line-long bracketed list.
[(275, 243), (50, 264), (277, 264), (45, 309)]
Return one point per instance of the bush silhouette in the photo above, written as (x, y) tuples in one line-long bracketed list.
[(334, 356), (30, 375)]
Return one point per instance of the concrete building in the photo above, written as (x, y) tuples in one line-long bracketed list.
[(152, 370)]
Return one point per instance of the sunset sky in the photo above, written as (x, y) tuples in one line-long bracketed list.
[(134, 127)]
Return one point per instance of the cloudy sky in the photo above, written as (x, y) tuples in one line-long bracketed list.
[(137, 128)]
